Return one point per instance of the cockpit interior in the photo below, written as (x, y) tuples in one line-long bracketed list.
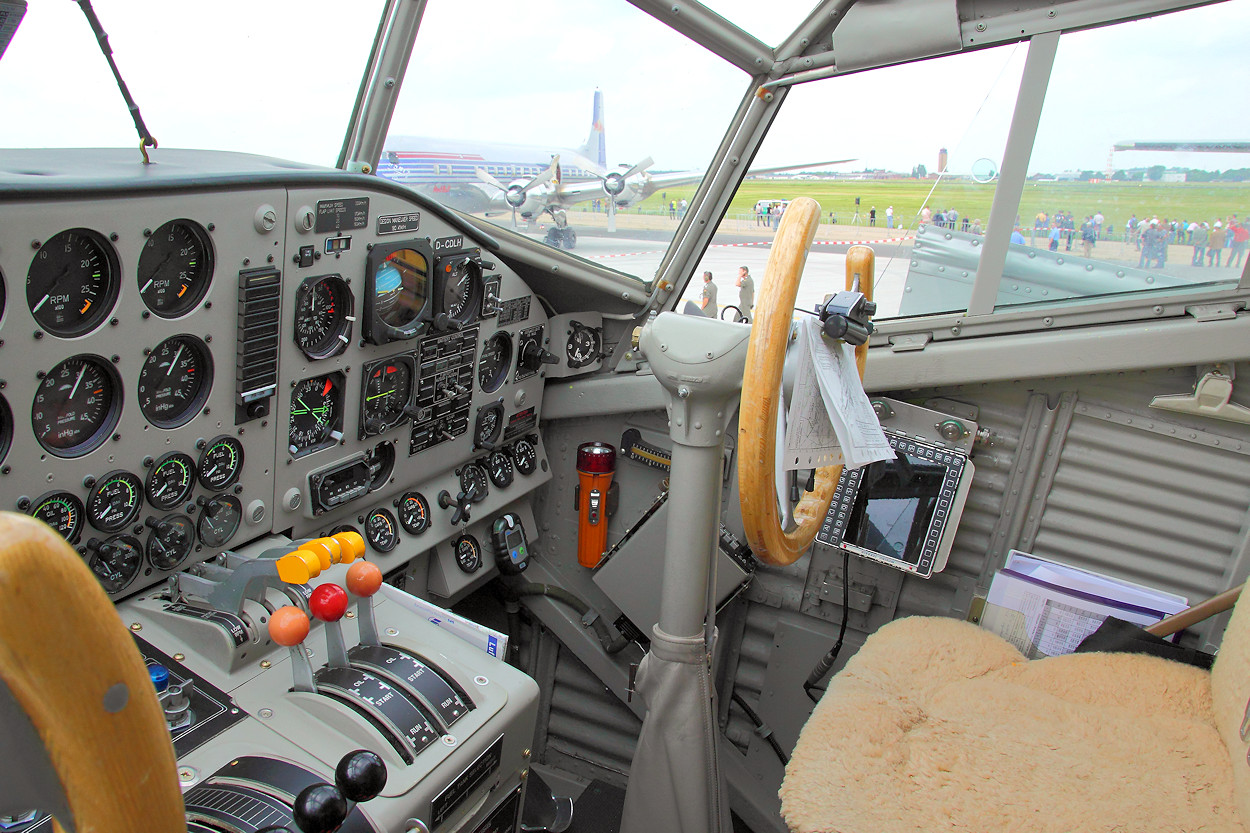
[(427, 494)]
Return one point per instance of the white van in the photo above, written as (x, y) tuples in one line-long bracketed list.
[(764, 206)]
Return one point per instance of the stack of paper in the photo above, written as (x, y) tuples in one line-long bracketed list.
[(1045, 608)]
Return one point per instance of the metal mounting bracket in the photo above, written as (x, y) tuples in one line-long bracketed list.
[(1211, 397)]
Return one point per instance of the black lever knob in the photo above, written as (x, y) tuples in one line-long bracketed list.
[(360, 775), (320, 808), (463, 502)]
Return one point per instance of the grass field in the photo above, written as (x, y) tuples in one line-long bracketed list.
[(1116, 200)]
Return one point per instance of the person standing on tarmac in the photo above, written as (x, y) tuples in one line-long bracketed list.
[(707, 301), (746, 293)]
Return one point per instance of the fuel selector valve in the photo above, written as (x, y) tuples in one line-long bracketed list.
[(462, 504), (533, 356)]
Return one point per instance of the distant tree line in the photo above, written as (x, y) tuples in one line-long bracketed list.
[(1155, 173)]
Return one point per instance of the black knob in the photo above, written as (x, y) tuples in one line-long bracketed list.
[(320, 808), (360, 775), (533, 356)]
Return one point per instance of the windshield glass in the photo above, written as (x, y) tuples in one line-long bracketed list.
[(583, 100), (229, 75)]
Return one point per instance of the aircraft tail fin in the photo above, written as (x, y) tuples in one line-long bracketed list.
[(596, 146)]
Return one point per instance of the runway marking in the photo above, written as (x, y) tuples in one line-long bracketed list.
[(760, 243)]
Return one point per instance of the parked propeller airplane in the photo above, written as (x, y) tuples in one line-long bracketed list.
[(468, 176)]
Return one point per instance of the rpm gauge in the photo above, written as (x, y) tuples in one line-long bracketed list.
[(496, 360), (316, 414), (323, 316), (381, 530), (76, 406), (170, 481), (174, 381), (175, 268), (62, 511), (114, 501), (72, 282)]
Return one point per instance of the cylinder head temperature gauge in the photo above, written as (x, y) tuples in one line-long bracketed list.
[(381, 530)]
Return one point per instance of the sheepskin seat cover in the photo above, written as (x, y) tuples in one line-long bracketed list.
[(938, 725)]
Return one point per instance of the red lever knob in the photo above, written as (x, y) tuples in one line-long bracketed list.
[(328, 602), (288, 626), (364, 578)]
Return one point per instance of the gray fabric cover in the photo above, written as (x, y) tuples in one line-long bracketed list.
[(675, 784)]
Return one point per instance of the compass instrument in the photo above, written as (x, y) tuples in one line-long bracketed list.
[(414, 512), (175, 268), (495, 362), (76, 406), (175, 381), (316, 414), (170, 481), (62, 511), (323, 316), (114, 501), (72, 282), (220, 463), (381, 530)]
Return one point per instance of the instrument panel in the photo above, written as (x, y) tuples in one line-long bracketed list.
[(221, 347)]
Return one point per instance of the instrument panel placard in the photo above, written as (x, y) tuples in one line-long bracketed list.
[(342, 215)]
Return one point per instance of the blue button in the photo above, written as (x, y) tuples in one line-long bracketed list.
[(160, 677)]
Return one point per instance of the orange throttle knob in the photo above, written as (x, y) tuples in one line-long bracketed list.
[(288, 626), (352, 545), (364, 578)]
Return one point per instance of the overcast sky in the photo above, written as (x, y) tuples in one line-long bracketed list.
[(279, 78)]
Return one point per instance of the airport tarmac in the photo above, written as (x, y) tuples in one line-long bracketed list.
[(825, 273)]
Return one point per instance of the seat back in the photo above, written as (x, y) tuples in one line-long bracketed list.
[(1230, 692)]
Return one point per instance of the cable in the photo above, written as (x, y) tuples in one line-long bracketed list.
[(609, 637), (827, 661), (761, 728)]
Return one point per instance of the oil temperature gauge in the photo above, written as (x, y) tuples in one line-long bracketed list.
[(414, 512), (170, 481), (468, 553), (115, 561), (499, 467), (114, 501), (221, 463), (220, 520), (62, 511), (381, 531)]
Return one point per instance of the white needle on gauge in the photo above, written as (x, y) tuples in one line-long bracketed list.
[(144, 288), (174, 363), (41, 303), (78, 380)]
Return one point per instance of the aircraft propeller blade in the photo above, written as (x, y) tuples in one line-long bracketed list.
[(490, 180), (611, 214), (543, 177), (640, 167)]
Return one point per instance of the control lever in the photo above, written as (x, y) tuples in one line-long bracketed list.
[(847, 315), (533, 355), (363, 580), (463, 503), (328, 603), (288, 626), (322, 808)]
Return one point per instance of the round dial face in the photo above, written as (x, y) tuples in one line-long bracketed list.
[(381, 530), (220, 520), (496, 361), (583, 346), (473, 482), (115, 501), (116, 561), (174, 381), (220, 464), (170, 481), (72, 282), (468, 553), (76, 406), (526, 456), (6, 425), (388, 388), (175, 268), (62, 511), (488, 426), (459, 281), (401, 287), (170, 541), (323, 311), (499, 467), (316, 412), (414, 513), (381, 462)]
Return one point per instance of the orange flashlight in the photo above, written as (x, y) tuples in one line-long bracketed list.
[(595, 463)]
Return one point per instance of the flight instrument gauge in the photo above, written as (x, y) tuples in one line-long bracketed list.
[(76, 406), (170, 541), (219, 520), (387, 392), (468, 553), (174, 381), (459, 291), (499, 467), (6, 427), (72, 282), (323, 316), (473, 482), (585, 345), (220, 463), (525, 455), (116, 561), (62, 511), (381, 530), (489, 426), (397, 291), (414, 512), (114, 501), (496, 361), (170, 481), (316, 414), (175, 268)]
